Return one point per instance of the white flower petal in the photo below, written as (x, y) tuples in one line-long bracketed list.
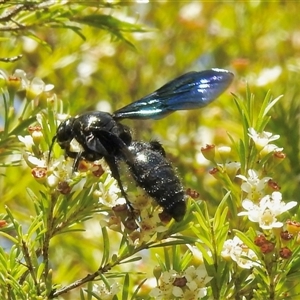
[(177, 291)]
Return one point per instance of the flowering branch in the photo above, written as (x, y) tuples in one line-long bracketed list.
[(243, 247)]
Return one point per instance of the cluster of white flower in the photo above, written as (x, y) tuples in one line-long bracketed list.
[(149, 224), (262, 208), (34, 88), (145, 227), (266, 211), (36, 158), (189, 284), (259, 207), (236, 250), (106, 293), (107, 191)]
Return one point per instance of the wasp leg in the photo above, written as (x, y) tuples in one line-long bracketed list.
[(111, 161)]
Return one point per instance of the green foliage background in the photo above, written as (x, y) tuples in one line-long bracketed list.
[(103, 71)]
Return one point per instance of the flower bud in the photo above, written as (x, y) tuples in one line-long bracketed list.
[(192, 193), (97, 170), (209, 152), (180, 282), (267, 247), (278, 157), (3, 223), (114, 223), (260, 240), (64, 188), (36, 133), (285, 253), (273, 185), (292, 227), (286, 236), (14, 83), (157, 272), (298, 238), (224, 152), (232, 169), (39, 173)]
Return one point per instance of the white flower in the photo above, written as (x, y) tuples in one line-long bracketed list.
[(232, 168), (244, 257), (109, 192), (197, 279), (106, 293), (197, 254), (253, 186), (36, 86), (27, 140), (23, 77), (189, 284), (270, 148), (60, 170), (262, 139), (140, 201), (149, 225), (240, 253), (33, 88), (227, 247), (165, 289), (266, 211), (268, 75)]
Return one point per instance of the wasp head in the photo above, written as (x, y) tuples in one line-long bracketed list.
[(64, 135)]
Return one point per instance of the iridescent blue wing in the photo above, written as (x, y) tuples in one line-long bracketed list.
[(190, 91)]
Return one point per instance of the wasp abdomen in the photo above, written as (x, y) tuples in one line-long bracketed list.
[(155, 174)]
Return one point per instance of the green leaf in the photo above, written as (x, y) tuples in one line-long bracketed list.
[(111, 24), (138, 288), (125, 287), (40, 271), (34, 37), (106, 246), (262, 118)]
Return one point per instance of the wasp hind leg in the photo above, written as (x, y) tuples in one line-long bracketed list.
[(130, 222)]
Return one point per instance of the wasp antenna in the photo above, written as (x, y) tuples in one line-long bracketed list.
[(50, 149)]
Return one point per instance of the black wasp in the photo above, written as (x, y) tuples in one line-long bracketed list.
[(101, 135)]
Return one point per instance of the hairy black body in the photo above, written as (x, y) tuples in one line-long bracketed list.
[(155, 174), (101, 135)]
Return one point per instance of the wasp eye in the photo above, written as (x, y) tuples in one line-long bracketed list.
[(64, 133), (125, 136)]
